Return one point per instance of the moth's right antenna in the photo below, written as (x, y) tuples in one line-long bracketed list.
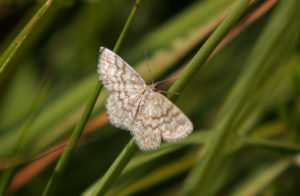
[(150, 73)]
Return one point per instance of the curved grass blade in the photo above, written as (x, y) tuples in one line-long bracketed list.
[(198, 138), (198, 20), (197, 182), (202, 55), (15, 45), (37, 104), (272, 143), (196, 63), (64, 159), (261, 177), (157, 176)]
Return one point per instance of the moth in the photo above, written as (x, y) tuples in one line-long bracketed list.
[(137, 107)]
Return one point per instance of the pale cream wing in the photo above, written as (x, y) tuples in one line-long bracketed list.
[(172, 123), (116, 75), (145, 132), (121, 108)]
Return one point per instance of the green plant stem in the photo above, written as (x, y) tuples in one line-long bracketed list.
[(115, 169), (35, 108), (206, 167), (19, 40), (126, 26), (119, 164), (64, 159), (182, 81), (202, 55)]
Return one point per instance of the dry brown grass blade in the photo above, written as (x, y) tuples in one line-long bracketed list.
[(50, 155)]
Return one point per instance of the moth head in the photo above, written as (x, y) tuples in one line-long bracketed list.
[(154, 87)]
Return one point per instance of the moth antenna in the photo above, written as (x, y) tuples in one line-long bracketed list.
[(156, 83), (150, 73), (175, 93)]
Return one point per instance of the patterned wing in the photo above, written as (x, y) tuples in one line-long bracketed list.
[(116, 75), (121, 108), (145, 131), (172, 123), (158, 117)]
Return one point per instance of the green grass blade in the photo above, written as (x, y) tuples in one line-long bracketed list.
[(64, 159), (260, 178), (202, 55), (189, 72), (115, 169), (55, 111), (198, 138), (263, 132), (272, 143), (126, 26), (37, 104), (198, 182), (47, 128), (15, 45), (200, 14), (160, 174)]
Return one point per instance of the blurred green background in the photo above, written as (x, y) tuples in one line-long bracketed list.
[(61, 49)]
